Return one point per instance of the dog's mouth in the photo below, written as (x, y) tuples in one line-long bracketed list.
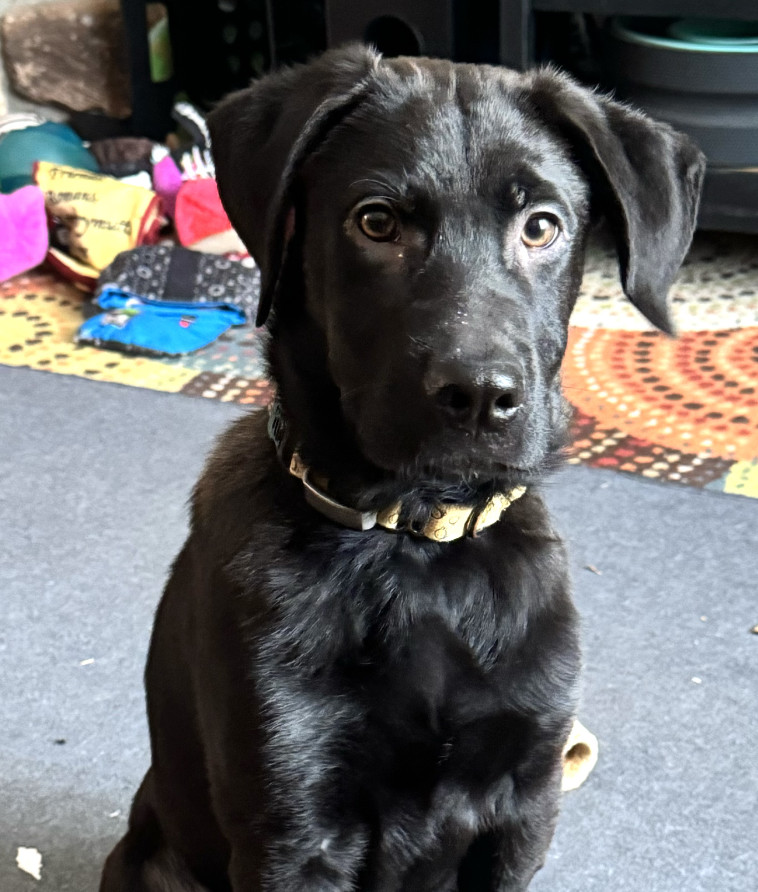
[(436, 462), (505, 474)]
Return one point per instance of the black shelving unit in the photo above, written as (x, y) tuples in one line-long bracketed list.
[(217, 46)]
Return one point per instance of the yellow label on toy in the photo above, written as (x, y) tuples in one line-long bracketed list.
[(95, 217)]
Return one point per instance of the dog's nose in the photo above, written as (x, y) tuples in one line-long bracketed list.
[(484, 400)]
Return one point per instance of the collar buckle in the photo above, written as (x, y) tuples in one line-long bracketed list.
[(277, 426), (351, 518)]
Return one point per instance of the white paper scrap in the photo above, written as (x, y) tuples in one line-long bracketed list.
[(30, 861)]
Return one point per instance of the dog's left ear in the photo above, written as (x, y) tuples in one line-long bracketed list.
[(260, 137), (644, 175)]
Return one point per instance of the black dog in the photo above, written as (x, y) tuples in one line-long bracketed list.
[(363, 669)]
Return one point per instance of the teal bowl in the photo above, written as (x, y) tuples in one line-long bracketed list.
[(727, 35), (699, 75), (723, 36)]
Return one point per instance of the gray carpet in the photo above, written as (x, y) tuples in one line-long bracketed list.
[(92, 509)]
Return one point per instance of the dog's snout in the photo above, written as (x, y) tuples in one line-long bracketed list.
[(476, 400)]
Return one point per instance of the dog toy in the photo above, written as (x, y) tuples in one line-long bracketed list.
[(579, 757), (23, 231), (135, 324), (93, 218), (170, 272)]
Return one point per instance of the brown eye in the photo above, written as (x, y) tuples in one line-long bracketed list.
[(378, 223), (540, 231)]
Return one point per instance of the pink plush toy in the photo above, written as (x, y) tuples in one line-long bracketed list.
[(23, 231), (167, 180)]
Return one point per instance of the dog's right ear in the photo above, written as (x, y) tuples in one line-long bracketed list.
[(260, 137)]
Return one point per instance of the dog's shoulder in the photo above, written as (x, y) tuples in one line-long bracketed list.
[(237, 461), (238, 483)]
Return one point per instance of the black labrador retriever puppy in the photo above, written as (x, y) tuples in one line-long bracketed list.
[(364, 666)]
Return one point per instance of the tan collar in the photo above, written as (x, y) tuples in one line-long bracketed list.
[(446, 523)]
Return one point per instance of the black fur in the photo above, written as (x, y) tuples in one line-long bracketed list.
[(335, 710)]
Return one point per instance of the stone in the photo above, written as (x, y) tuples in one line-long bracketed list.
[(70, 53)]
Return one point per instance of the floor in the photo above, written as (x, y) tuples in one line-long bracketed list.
[(92, 510)]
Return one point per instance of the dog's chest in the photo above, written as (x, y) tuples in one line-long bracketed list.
[(432, 709), (406, 661), (430, 678)]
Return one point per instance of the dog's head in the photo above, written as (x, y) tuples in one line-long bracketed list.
[(425, 223)]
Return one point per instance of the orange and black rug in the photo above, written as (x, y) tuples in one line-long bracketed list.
[(683, 410)]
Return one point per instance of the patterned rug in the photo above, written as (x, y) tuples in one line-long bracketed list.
[(679, 410)]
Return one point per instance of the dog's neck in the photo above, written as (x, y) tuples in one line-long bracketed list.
[(426, 512)]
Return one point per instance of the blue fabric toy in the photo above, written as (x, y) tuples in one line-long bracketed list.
[(133, 323)]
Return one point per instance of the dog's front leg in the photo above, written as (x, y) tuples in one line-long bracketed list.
[(302, 831), (298, 861), (521, 846), (506, 859)]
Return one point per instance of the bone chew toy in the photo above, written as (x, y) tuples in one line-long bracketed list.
[(579, 756)]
